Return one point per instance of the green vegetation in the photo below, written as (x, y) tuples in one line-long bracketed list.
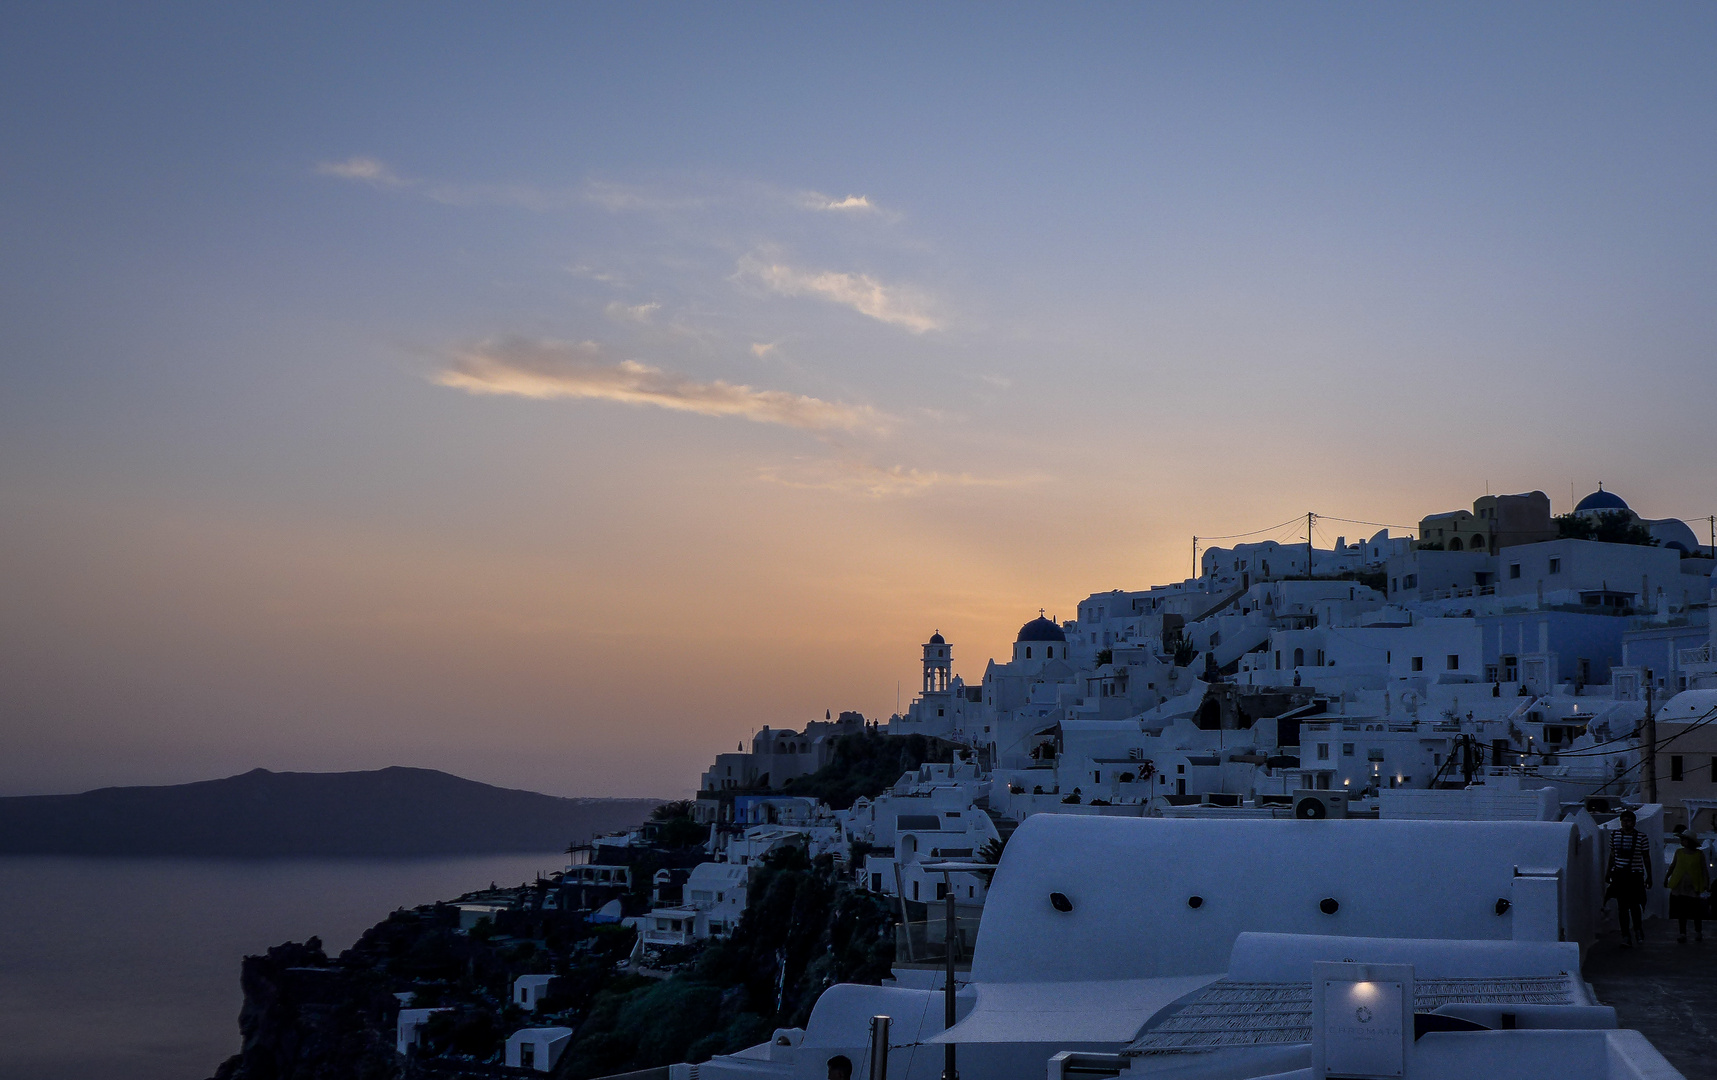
[(672, 826), (1610, 527), (804, 929), (867, 764)]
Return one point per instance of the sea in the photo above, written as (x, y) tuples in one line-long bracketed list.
[(128, 968)]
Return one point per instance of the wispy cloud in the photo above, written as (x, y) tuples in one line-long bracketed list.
[(762, 349), (852, 204), (638, 313), (879, 481), (861, 292), (362, 169), (555, 369), (623, 197)]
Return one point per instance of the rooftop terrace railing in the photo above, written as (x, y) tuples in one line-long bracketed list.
[(924, 942)]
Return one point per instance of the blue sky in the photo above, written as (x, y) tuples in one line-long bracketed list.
[(483, 388)]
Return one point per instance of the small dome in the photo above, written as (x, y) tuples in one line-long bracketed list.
[(1601, 500), (1040, 629), (936, 639)]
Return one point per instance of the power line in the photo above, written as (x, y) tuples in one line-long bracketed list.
[(1273, 528), (1378, 524)]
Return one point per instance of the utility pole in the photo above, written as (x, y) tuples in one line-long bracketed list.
[(951, 942), (1649, 730), (1195, 558)]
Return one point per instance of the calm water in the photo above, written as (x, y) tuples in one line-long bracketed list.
[(127, 969)]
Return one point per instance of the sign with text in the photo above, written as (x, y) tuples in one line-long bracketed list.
[(1362, 1020)]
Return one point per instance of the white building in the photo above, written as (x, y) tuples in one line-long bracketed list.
[(529, 990), (409, 1028), (537, 1048), (1481, 923)]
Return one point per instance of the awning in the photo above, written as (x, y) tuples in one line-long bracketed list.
[(1099, 1011)]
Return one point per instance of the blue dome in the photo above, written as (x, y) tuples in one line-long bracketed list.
[(1601, 500), (936, 639), (1040, 629)]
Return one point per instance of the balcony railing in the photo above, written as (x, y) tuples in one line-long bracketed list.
[(927, 942), (1701, 655)]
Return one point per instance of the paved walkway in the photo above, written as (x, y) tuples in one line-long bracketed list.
[(1666, 991)]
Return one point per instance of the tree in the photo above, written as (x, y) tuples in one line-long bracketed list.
[(1609, 527)]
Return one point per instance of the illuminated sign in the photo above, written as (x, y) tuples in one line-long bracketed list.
[(1362, 1020)]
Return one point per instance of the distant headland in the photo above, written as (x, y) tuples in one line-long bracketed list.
[(394, 811)]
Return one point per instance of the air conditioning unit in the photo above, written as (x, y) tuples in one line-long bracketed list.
[(1314, 804)]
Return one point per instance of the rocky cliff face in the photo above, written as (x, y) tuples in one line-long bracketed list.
[(308, 1018)]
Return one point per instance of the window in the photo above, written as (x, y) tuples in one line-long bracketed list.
[(1418, 663), (1028, 652), (915, 890), (1454, 661), (527, 1055), (1049, 652), (1394, 584), (1555, 566), (1278, 659), (1675, 767), (941, 890), (1513, 569), (1346, 749), (876, 883), (1323, 751), (1299, 658), (1411, 581)]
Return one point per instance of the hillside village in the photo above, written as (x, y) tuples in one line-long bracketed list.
[(1502, 665), (1505, 669)]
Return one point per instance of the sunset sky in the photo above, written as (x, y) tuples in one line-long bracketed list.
[(556, 394)]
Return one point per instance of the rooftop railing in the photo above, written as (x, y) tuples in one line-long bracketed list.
[(926, 942)]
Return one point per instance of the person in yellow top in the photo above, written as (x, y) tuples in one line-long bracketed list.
[(1688, 880)]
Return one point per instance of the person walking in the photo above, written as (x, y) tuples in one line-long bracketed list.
[(1687, 880), (1629, 876)]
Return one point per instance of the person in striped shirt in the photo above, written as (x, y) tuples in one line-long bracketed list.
[(1629, 877)]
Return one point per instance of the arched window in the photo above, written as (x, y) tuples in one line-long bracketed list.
[(1477, 544), (1028, 652), (1455, 543), (1049, 652), (1299, 657)]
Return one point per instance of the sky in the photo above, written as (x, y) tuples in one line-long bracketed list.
[(557, 394)]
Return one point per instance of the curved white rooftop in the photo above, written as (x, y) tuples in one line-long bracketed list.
[(1130, 883)]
